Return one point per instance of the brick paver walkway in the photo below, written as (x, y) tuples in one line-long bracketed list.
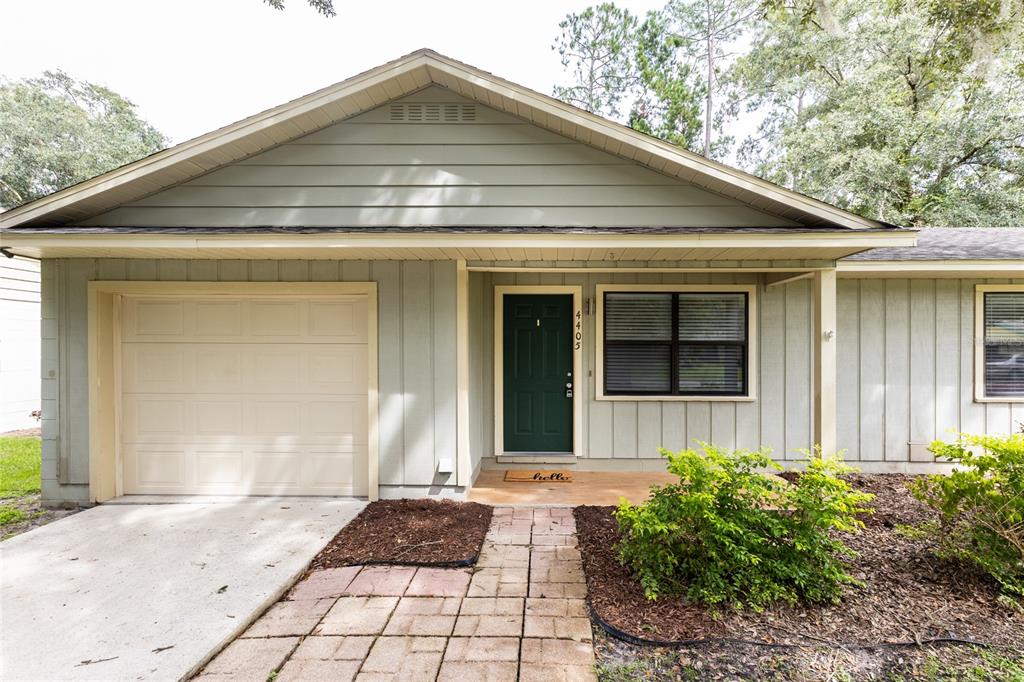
[(518, 615)]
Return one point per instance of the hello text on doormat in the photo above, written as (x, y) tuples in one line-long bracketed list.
[(530, 476)]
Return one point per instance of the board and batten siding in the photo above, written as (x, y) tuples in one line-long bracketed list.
[(632, 431), (19, 343), (416, 346), (495, 170), (906, 368)]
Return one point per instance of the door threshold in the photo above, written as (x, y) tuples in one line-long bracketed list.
[(560, 458)]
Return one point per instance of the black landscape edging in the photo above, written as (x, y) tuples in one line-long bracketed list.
[(643, 641)]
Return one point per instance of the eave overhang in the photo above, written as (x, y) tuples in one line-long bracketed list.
[(533, 244)]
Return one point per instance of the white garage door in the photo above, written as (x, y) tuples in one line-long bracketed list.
[(244, 395)]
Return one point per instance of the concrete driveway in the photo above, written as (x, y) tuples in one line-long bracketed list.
[(129, 591)]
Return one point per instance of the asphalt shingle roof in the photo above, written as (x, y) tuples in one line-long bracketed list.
[(956, 243)]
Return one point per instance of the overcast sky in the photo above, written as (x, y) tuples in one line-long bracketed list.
[(194, 65)]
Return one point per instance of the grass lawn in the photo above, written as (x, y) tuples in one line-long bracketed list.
[(19, 474), (19, 465)]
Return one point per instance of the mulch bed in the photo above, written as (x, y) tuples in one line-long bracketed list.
[(909, 595), (411, 532)]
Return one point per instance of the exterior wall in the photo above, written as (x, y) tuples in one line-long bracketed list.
[(905, 359), (371, 171), (19, 343), (416, 345), (906, 368), (627, 434)]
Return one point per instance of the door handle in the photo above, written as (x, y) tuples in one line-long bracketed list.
[(568, 390)]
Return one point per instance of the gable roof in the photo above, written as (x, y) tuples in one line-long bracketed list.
[(391, 81)]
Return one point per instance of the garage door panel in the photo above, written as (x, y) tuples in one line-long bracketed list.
[(268, 368), (156, 418), (217, 319), (276, 469), (154, 318), (153, 368), (343, 419), (276, 318), (215, 468), (337, 319), (219, 418), (160, 469), (237, 395), (275, 369), (217, 367), (337, 369), (252, 418), (343, 321), (276, 418), (257, 470)]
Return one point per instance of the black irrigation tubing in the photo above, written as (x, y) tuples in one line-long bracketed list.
[(643, 641)]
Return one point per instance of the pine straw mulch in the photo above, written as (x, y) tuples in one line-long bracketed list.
[(909, 595), (412, 532)]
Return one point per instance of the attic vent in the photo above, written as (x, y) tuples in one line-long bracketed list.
[(429, 112)]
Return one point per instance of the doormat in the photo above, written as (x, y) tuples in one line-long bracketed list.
[(531, 476)]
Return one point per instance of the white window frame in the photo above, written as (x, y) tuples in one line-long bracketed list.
[(749, 289), (979, 341)]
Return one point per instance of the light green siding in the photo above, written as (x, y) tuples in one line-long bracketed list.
[(628, 430), (371, 171), (906, 368), (416, 336)]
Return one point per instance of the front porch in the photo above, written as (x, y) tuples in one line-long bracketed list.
[(603, 488), (786, 399)]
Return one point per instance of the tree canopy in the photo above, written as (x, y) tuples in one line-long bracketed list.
[(909, 111), (324, 7), (56, 131)]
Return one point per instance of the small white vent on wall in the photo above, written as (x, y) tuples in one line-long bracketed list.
[(429, 112)]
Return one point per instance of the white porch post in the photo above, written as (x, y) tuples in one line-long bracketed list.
[(463, 468), (825, 360)]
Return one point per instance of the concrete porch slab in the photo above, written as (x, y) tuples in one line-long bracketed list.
[(587, 487), (151, 591)]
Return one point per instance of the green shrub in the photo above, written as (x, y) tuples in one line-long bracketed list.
[(981, 505), (727, 534)]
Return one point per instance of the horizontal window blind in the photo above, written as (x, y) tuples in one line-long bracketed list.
[(712, 317), (638, 316), (1004, 344), (638, 368), (711, 369), (687, 343)]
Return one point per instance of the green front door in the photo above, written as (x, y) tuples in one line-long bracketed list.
[(538, 372)]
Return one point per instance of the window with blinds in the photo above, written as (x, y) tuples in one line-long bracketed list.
[(685, 343), (1004, 344)]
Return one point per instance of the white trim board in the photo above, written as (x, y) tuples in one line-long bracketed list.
[(499, 367)]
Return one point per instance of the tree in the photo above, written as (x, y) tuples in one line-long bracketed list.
[(704, 29), (669, 92), (597, 47), (324, 7), (56, 131), (911, 112), (615, 61)]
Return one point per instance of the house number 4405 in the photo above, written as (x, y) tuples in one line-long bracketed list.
[(578, 338)]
